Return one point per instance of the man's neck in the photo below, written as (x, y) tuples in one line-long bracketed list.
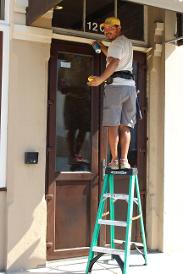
[(117, 36)]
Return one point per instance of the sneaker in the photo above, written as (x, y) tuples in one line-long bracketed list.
[(124, 164), (114, 164)]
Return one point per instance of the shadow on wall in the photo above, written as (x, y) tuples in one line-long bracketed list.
[(26, 254), (26, 205)]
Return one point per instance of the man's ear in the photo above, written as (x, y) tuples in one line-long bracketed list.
[(119, 27)]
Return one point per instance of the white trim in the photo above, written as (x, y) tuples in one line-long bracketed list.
[(4, 106), (88, 35), (20, 10), (32, 34), (175, 5), (89, 41)]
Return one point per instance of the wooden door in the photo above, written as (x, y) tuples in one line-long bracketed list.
[(73, 187), (73, 150)]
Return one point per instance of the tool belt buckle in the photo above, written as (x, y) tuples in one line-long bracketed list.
[(109, 80)]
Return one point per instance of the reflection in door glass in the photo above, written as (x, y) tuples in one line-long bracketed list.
[(73, 113)]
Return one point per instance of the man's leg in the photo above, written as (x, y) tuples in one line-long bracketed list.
[(71, 141), (79, 141), (113, 136), (125, 138)]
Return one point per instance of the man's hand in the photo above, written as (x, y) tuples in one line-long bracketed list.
[(98, 80), (95, 82)]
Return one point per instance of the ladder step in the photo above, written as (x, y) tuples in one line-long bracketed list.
[(121, 242), (106, 250), (116, 196), (119, 197), (115, 223)]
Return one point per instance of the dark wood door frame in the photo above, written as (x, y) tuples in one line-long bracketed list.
[(96, 175), (60, 178), (141, 132)]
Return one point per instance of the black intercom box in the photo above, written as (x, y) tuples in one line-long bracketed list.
[(31, 157)]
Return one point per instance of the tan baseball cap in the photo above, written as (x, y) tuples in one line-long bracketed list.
[(111, 21)]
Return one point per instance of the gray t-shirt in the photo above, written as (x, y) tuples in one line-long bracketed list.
[(121, 48)]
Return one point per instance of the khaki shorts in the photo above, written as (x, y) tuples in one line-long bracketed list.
[(119, 106)]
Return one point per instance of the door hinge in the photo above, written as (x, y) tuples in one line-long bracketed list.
[(49, 244), (50, 148), (49, 197), (50, 102), (142, 150)]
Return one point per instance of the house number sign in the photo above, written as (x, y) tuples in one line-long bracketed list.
[(94, 26)]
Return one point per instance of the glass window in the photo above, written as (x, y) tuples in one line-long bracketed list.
[(68, 14), (132, 19), (1, 9), (73, 113), (87, 15), (96, 13)]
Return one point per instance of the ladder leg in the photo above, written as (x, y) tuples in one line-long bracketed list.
[(141, 219), (112, 215), (129, 223), (97, 226)]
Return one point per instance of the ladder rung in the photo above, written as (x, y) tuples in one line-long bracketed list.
[(115, 223), (106, 250), (131, 243), (136, 217), (118, 197)]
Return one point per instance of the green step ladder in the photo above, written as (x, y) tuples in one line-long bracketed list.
[(96, 251)]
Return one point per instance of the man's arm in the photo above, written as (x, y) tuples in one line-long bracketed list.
[(110, 69), (104, 49)]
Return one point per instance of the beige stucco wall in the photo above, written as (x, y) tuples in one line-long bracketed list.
[(26, 206), (25, 238), (2, 229), (165, 135), (173, 183)]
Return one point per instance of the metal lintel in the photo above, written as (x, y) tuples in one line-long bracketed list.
[(174, 41)]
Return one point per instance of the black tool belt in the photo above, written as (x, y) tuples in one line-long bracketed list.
[(125, 74)]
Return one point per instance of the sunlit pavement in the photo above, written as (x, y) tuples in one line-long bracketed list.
[(158, 263)]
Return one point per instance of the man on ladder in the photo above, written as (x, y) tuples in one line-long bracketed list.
[(119, 113), (119, 116)]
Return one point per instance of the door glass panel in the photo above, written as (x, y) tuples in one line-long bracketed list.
[(73, 113)]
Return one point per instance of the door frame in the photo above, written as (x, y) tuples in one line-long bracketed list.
[(98, 165), (51, 175)]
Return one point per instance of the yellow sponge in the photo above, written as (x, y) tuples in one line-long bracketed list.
[(90, 78)]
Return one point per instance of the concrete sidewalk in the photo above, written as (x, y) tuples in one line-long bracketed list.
[(158, 263)]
